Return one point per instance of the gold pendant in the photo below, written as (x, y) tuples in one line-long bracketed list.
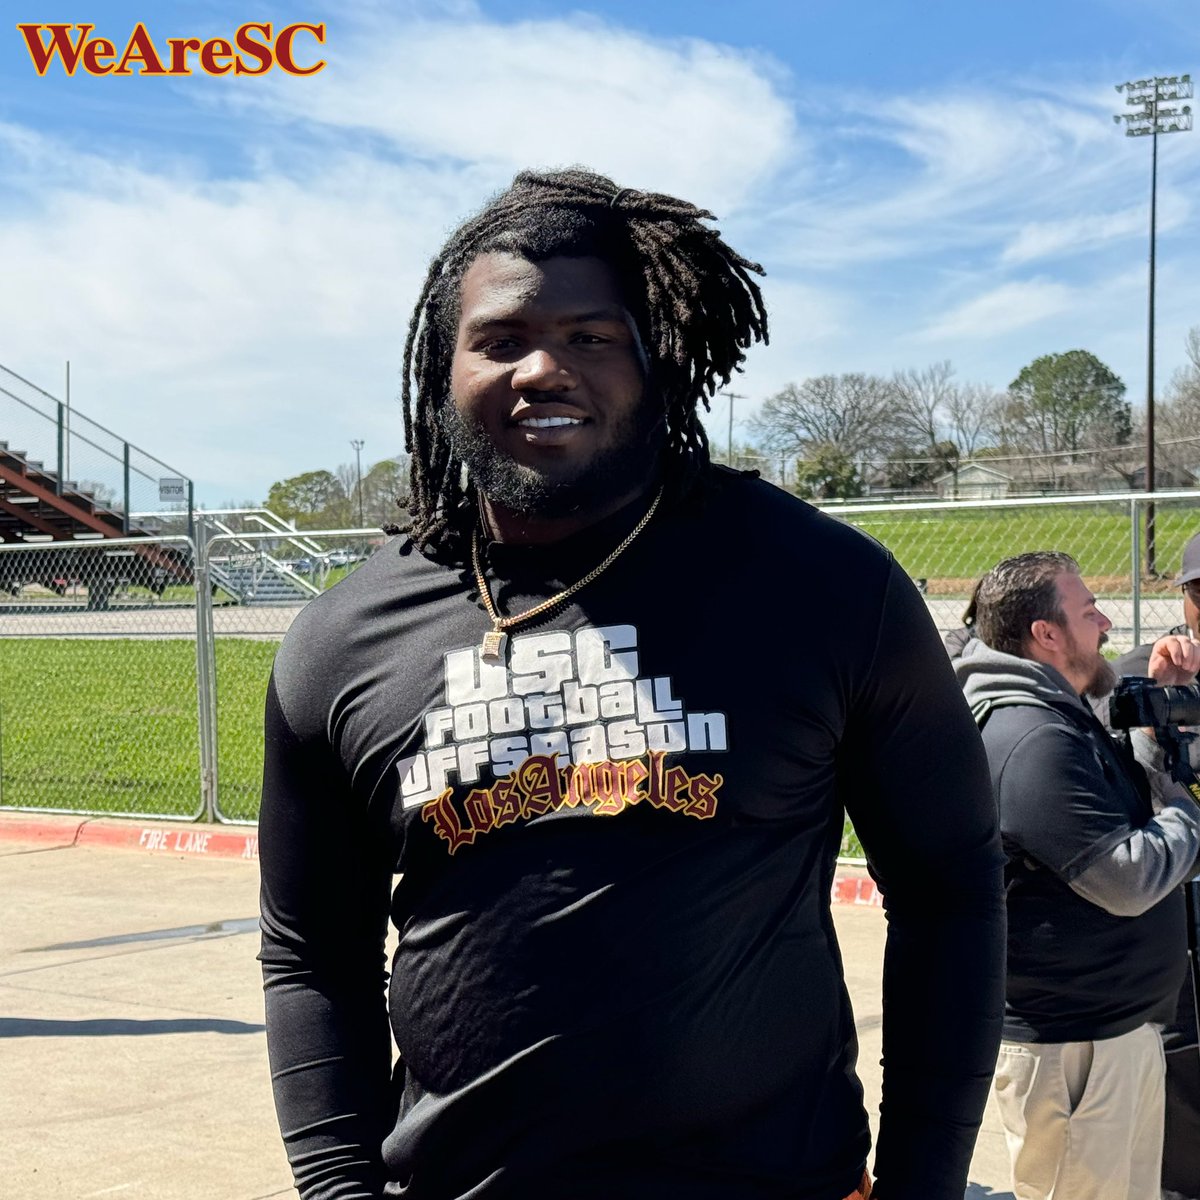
[(494, 642)]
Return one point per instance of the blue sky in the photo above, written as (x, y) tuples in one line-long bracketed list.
[(229, 264)]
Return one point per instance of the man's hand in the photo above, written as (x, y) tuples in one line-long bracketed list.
[(1174, 659)]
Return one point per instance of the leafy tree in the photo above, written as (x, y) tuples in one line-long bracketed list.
[(828, 472), (1069, 401), (385, 491), (312, 500)]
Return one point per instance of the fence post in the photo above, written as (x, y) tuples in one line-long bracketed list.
[(125, 515), (58, 486), (1135, 569), (205, 675)]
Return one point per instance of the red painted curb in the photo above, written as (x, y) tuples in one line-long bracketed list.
[(192, 841), (222, 841), (851, 889)]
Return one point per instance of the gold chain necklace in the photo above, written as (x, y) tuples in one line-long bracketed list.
[(496, 639)]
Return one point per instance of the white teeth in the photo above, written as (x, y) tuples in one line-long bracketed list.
[(549, 422)]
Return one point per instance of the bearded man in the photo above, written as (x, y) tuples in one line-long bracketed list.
[(585, 712), (1096, 934)]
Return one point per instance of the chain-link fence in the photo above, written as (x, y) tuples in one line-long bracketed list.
[(98, 696), (260, 581), (133, 671), (947, 546)]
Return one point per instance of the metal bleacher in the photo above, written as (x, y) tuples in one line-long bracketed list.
[(66, 479)]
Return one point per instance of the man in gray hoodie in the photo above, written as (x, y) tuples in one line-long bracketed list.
[(1096, 935)]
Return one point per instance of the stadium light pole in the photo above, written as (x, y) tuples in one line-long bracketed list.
[(1156, 110), (358, 444)]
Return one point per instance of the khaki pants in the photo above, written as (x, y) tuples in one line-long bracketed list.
[(1084, 1120)]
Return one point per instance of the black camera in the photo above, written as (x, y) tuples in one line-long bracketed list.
[(1137, 702)]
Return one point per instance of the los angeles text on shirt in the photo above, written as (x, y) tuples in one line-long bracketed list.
[(567, 722)]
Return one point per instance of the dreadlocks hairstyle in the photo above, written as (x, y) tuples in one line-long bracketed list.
[(690, 295)]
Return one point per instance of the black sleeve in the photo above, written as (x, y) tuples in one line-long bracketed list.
[(1064, 813), (324, 901), (919, 793)]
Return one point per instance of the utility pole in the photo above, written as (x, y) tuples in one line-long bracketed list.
[(1148, 97), (67, 437), (729, 451), (358, 444)]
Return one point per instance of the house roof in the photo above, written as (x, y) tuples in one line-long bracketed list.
[(970, 470)]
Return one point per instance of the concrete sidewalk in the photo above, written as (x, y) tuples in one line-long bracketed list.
[(132, 1051)]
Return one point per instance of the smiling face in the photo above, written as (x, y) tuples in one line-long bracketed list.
[(550, 411)]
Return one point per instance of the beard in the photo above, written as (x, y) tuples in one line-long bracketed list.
[(1101, 678), (630, 461)]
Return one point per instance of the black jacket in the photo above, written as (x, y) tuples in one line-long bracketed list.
[(1095, 914)]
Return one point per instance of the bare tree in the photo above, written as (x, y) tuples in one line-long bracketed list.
[(923, 397), (1191, 346), (973, 411), (1178, 412), (854, 414)]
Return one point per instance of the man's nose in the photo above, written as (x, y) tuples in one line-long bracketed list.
[(1105, 623), (543, 370)]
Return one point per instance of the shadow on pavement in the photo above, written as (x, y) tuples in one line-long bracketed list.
[(190, 932), (979, 1191), (17, 1027)]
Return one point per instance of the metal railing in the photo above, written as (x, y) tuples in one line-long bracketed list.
[(85, 457), (132, 679)]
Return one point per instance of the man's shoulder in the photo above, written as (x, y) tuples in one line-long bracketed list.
[(1037, 738), (1013, 720), (350, 613), (769, 516)]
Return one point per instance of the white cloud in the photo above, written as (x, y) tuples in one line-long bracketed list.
[(679, 115), (1047, 239), (1001, 310), (1043, 239)]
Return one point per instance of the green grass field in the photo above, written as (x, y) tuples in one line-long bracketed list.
[(961, 545), (110, 725)]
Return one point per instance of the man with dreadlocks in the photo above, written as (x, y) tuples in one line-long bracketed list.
[(575, 711)]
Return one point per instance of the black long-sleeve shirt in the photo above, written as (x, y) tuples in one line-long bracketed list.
[(616, 971)]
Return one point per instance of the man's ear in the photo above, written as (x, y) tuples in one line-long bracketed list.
[(1046, 635)]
